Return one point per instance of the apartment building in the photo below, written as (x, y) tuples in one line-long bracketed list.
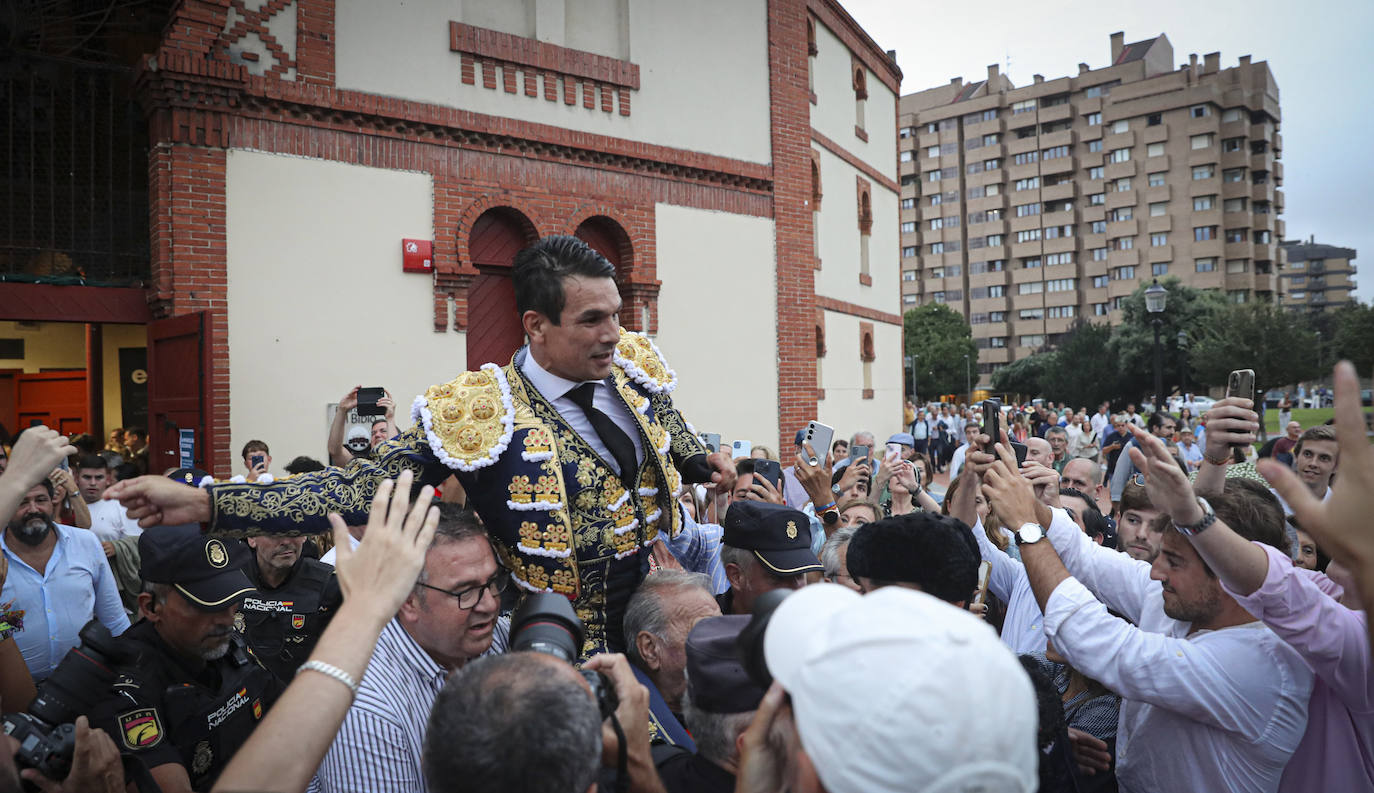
[(1030, 208), (1318, 277)]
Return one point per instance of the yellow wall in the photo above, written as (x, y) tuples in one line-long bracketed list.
[(62, 345)]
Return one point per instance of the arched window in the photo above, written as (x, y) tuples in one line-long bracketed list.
[(865, 229), (860, 98), (867, 355)]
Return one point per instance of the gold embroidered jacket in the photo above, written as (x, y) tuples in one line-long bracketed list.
[(562, 520)]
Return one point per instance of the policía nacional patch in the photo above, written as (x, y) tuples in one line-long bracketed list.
[(140, 728)]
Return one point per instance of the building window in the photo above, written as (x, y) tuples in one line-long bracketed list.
[(1099, 254), (992, 189), (1204, 233), (1025, 157), (1100, 309), (992, 165), (905, 156), (993, 138), (1123, 273), (1030, 313), (1203, 203), (1159, 240), (908, 275), (1204, 265), (909, 251), (1029, 235), (1094, 119), (1022, 210), (937, 247), (1061, 284), (1024, 106), (1233, 175), (1233, 144), (1159, 208), (997, 341), (973, 168), (1123, 243), (1099, 281), (1100, 90), (909, 300), (1121, 213), (908, 203), (1230, 114), (1030, 288), (1298, 294), (1234, 205), (1119, 155), (1237, 295), (1154, 119), (997, 291), (1262, 237), (993, 240), (1027, 184), (1157, 179), (933, 151), (909, 226), (1200, 141), (1097, 199), (1237, 265), (1123, 184), (1237, 235), (1159, 268), (1120, 126), (1154, 150), (1098, 227), (1204, 172), (1199, 111), (1095, 172), (1055, 232), (1062, 312), (1031, 263), (1094, 146), (860, 96), (1059, 258), (1032, 340)]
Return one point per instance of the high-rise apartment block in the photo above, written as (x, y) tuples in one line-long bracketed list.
[(1318, 277), (1029, 208)]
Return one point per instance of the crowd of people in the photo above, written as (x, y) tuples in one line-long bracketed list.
[(591, 598)]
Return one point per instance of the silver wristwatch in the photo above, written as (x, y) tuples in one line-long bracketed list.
[(1208, 518), (1029, 534)]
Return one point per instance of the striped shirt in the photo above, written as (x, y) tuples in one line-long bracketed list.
[(380, 745), (697, 548)]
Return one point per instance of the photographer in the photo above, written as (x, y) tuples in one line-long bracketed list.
[(381, 429)]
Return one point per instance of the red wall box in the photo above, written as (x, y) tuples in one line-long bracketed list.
[(417, 256)]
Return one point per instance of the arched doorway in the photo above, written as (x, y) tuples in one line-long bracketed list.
[(609, 239), (494, 330)]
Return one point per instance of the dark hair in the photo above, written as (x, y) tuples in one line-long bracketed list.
[(48, 486), (745, 466), (1094, 524), (126, 471), (1253, 512), (1133, 496), (937, 553), (92, 461), (254, 446), (304, 465), (1157, 418), (136, 431), (506, 722), (541, 268)]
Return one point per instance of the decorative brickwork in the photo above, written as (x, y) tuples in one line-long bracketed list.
[(856, 310), (255, 21), (853, 159), (831, 14)]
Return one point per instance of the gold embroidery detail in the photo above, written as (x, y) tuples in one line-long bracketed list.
[(530, 534), (466, 415), (537, 576), (520, 489), (547, 490), (562, 582), (538, 441)]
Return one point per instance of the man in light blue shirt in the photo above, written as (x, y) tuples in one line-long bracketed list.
[(59, 578)]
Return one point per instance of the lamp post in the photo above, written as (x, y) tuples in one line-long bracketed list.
[(968, 382), (910, 361), (1183, 364), (1155, 298)]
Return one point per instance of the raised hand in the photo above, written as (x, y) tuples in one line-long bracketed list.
[(157, 500), (37, 453), (382, 570)]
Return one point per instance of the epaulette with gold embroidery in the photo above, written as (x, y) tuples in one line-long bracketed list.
[(643, 363), (469, 420)]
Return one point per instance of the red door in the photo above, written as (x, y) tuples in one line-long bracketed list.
[(56, 399), (494, 329), (176, 378)]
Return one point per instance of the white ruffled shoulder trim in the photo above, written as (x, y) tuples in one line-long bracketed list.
[(635, 373), (419, 413)]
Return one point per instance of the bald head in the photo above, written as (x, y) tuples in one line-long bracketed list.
[(1294, 430), (1038, 450)]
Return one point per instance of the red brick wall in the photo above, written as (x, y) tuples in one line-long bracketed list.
[(791, 122)]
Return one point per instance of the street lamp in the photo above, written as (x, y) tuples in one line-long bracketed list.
[(1183, 364), (1155, 298), (911, 365), (968, 383)]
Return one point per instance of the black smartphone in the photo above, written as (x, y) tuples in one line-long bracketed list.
[(858, 454), (992, 419), (1240, 383), (256, 459), (367, 402), (770, 470)]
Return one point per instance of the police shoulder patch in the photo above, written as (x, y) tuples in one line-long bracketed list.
[(140, 728)]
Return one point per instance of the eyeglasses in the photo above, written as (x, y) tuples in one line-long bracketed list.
[(1139, 479), (471, 596)]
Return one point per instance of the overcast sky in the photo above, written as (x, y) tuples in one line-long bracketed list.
[(1316, 51)]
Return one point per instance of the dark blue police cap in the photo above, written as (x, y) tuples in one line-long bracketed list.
[(208, 571)]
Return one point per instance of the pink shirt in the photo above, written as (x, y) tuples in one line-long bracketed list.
[(1337, 751)]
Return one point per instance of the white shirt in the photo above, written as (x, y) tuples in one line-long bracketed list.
[(1023, 628), (333, 553), (555, 389), (1287, 510), (110, 521), (1100, 422), (1217, 711), (956, 463)]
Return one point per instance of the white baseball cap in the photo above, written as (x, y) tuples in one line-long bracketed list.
[(898, 691)]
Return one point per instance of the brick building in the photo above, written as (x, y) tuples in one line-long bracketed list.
[(1318, 277), (294, 144), (1030, 208)]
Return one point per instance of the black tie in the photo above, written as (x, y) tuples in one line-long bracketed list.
[(622, 448)]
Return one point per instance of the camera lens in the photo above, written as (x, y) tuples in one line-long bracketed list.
[(546, 623)]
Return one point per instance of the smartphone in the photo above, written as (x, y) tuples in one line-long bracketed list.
[(770, 470), (819, 436), (992, 419), (711, 440), (894, 451), (367, 402), (255, 460), (741, 449), (858, 454), (1241, 383)]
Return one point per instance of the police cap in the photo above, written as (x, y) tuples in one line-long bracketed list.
[(779, 536), (208, 571)]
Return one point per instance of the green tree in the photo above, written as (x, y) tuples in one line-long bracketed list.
[(939, 337), (1280, 345), (1024, 377), (1354, 339), (1079, 373), (1132, 343)]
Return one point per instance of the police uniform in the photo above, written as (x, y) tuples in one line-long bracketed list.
[(779, 536), (283, 624), (561, 518), (168, 707)]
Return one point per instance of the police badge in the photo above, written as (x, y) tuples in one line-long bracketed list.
[(200, 761), (297, 621), (216, 554)]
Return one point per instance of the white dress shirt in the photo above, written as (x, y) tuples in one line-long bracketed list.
[(1023, 629), (333, 553), (1215, 710), (110, 521), (555, 389), (75, 586), (1100, 422), (956, 463)]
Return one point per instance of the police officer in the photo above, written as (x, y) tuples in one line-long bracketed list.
[(295, 600), (765, 547), (190, 691)]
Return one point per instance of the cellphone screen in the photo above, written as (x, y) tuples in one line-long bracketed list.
[(858, 452)]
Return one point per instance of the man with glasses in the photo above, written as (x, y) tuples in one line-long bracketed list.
[(451, 617), (1162, 426)]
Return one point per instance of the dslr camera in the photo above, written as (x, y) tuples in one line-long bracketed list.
[(546, 623), (46, 734)]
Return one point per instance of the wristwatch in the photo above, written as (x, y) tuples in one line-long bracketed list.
[(1208, 518), (1029, 534), (837, 490), (830, 516)]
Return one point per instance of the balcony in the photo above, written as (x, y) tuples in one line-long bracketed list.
[(1157, 223), (1118, 140), (1210, 186), (1060, 245), (1124, 258), (1057, 113), (1058, 165), (982, 128), (1123, 287), (1262, 162), (1017, 145), (1122, 198), (1262, 192), (1118, 170), (1159, 253), (1059, 192), (1235, 189), (1059, 218), (1024, 171), (1123, 228), (1156, 134), (1022, 275), (1157, 164), (1239, 250), (1277, 173), (1235, 159), (1061, 138)]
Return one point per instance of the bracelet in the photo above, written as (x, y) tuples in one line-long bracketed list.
[(1223, 462), (829, 506), (330, 670)]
